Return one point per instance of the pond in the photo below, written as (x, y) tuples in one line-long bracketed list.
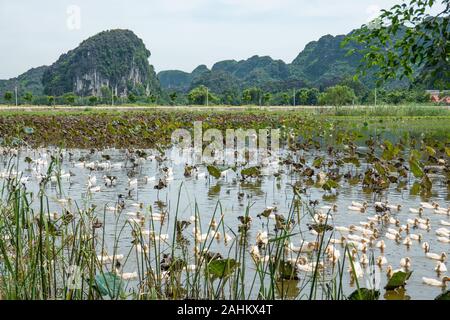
[(137, 196)]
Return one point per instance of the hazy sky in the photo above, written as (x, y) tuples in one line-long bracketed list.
[(181, 34)]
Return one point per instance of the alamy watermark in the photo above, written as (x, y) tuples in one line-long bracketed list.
[(237, 147), (73, 21)]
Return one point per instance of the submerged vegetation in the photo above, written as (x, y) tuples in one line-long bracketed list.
[(152, 128)]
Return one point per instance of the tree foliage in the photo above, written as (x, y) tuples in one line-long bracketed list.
[(198, 96), (338, 96), (406, 41)]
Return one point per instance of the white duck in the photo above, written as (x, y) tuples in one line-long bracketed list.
[(405, 263), (445, 223), (436, 283), (407, 242), (434, 256), (440, 267), (417, 237), (395, 237), (381, 245), (358, 209), (443, 239), (381, 260), (417, 211)]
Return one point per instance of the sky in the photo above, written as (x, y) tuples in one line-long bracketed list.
[(181, 34)]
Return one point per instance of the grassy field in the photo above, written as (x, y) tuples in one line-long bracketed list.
[(97, 127)]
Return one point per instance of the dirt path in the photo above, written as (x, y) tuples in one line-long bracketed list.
[(163, 108)]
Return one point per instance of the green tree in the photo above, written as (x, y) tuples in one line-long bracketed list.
[(69, 98), (93, 100), (197, 96), (173, 97), (50, 100), (252, 96), (266, 98), (28, 96), (247, 96), (301, 97), (338, 96), (132, 98), (307, 97), (405, 38), (106, 94), (285, 98), (152, 99), (8, 96)]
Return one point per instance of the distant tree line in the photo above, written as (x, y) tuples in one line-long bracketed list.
[(348, 92)]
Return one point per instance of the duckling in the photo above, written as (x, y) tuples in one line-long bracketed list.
[(436, 283), (441, 257), (440, 267), (405, 263)]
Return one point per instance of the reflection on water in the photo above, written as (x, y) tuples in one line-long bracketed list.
[(135, 183)]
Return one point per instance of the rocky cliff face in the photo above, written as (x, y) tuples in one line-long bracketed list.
[(115, 59)]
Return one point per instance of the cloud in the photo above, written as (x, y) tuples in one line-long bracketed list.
[(373, 12)]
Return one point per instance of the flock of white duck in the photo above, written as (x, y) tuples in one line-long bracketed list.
[(409, 233)]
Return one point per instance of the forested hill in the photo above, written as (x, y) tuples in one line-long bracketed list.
[(30, 81), (322, 63), (114, 59)]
